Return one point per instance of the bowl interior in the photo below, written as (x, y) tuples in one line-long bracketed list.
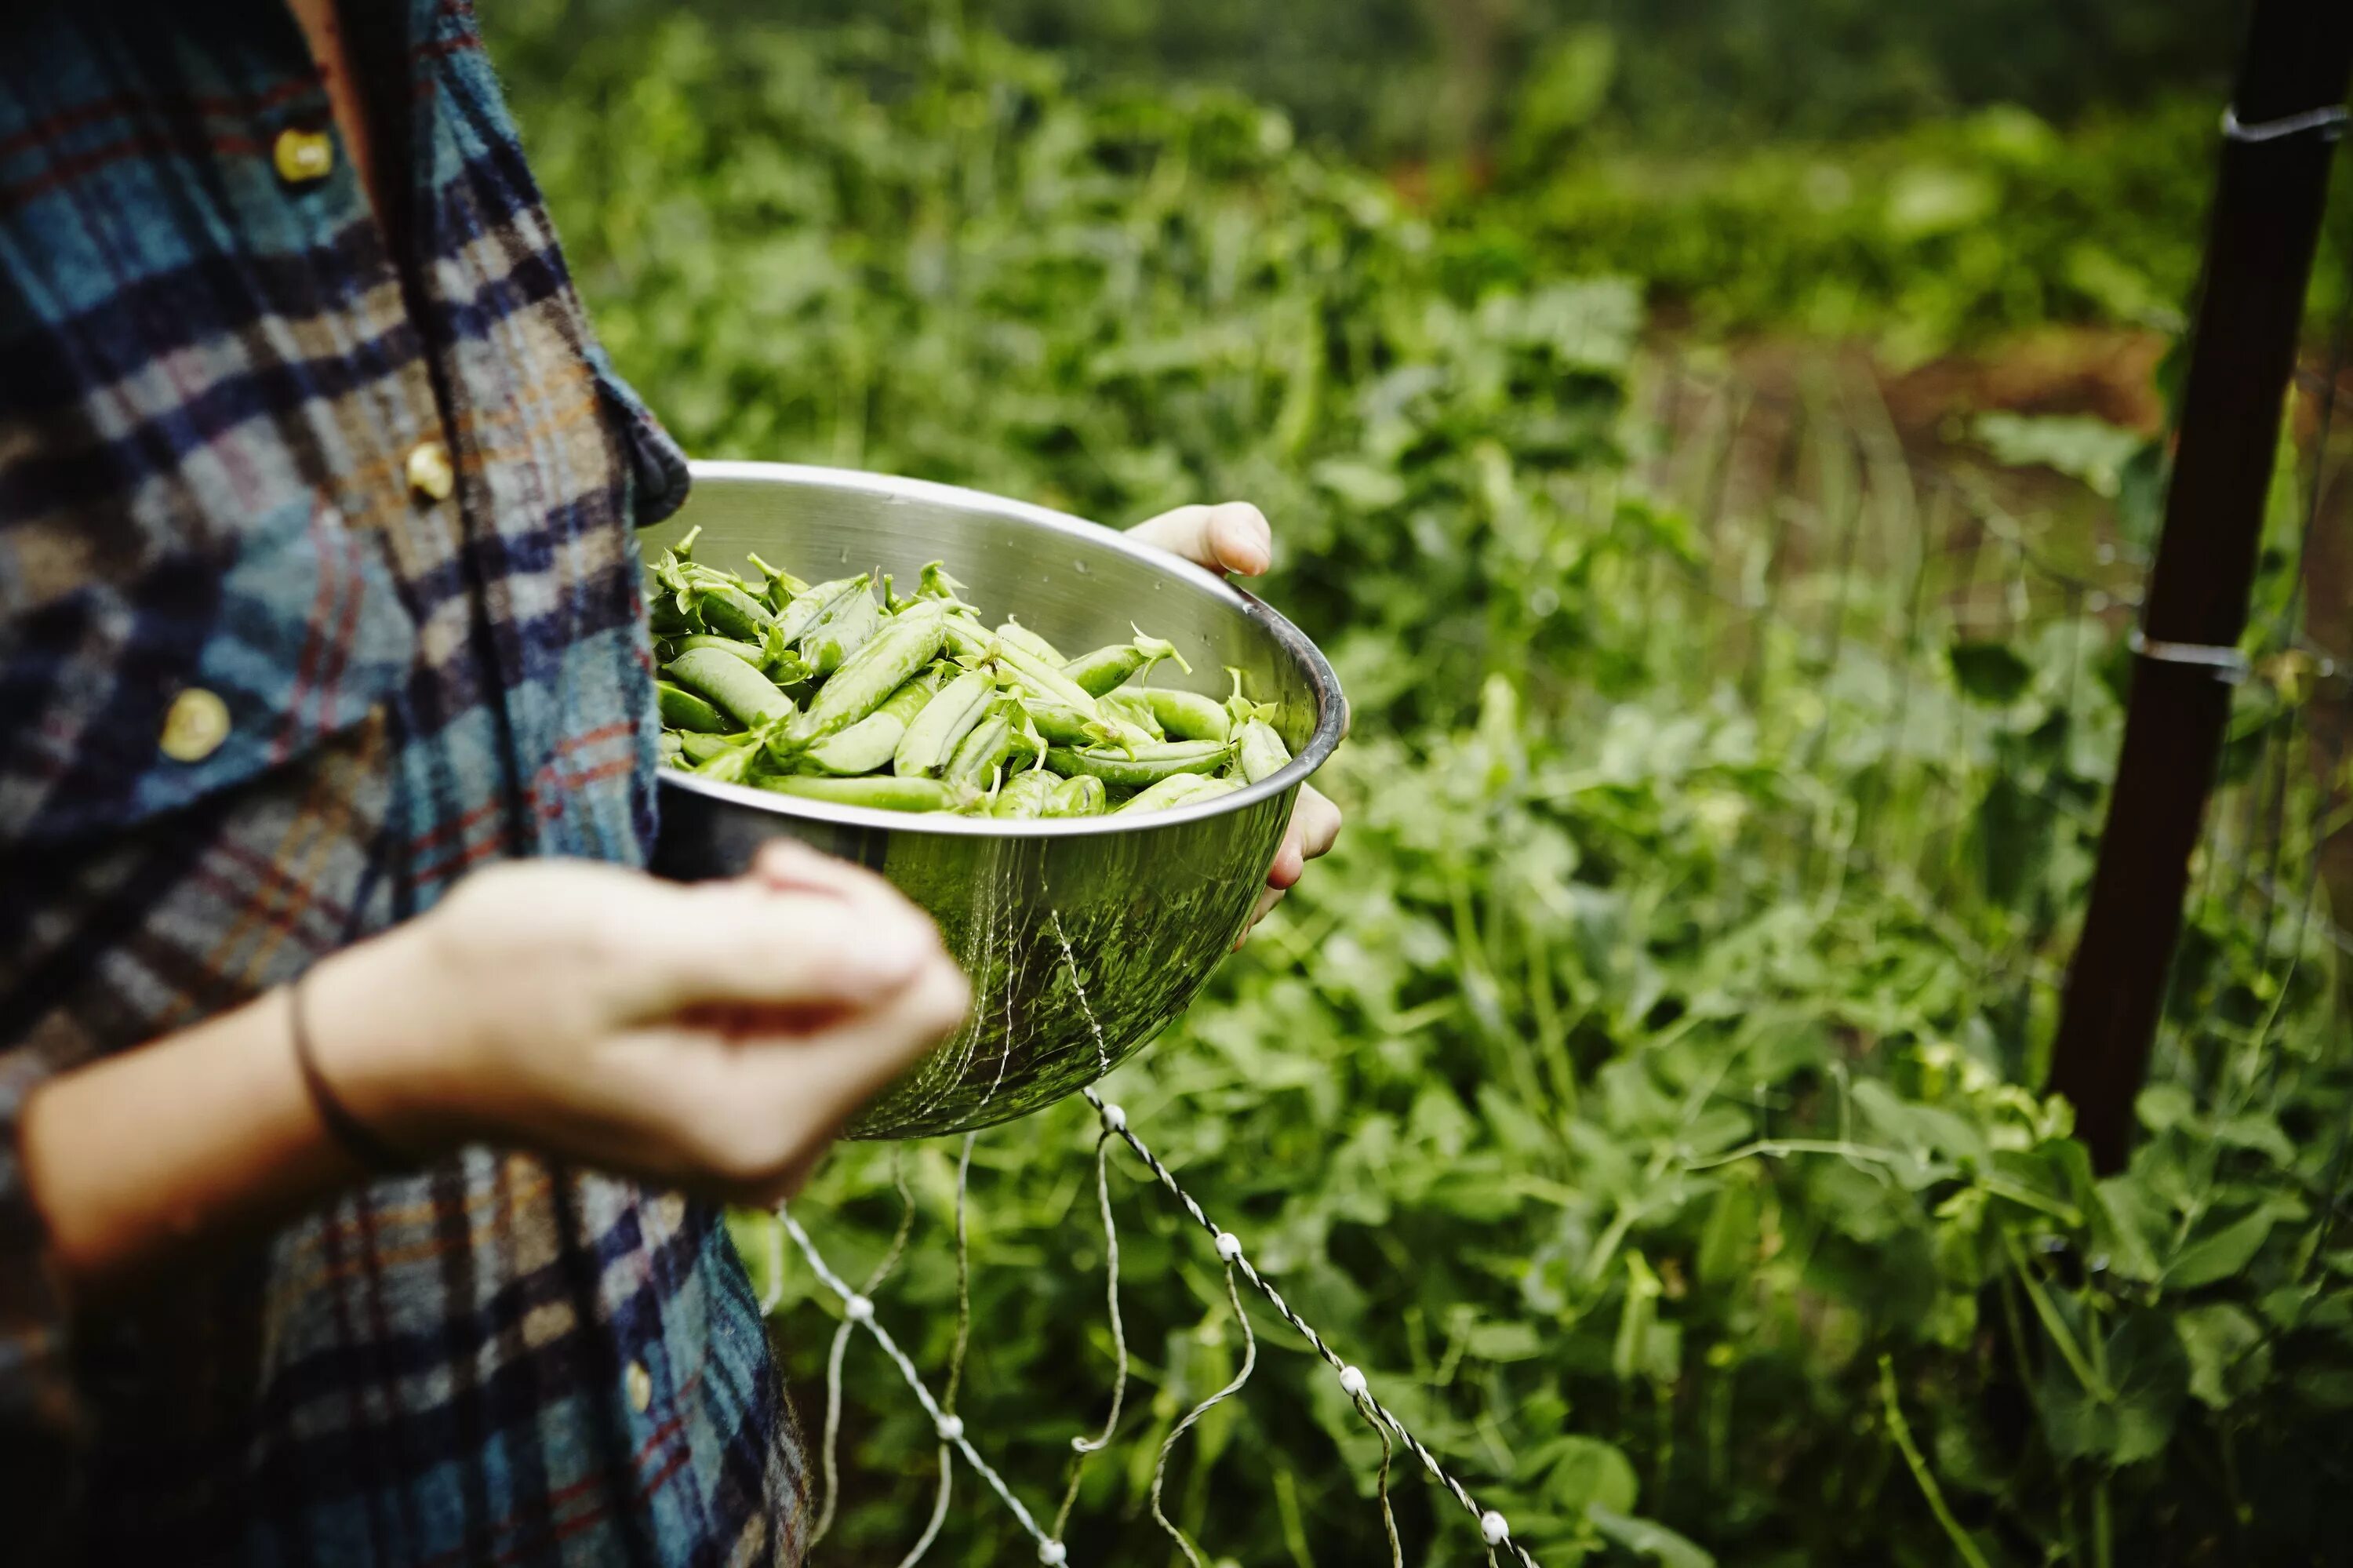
[(1077, 584)]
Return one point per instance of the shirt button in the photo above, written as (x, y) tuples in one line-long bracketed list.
[(194, 725), (429, 472), (641, 1387), (303, 156)]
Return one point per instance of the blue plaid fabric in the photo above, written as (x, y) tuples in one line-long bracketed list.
[(212, 373)]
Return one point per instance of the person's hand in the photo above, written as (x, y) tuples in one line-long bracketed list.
[(1233, 536), (710, 1037)]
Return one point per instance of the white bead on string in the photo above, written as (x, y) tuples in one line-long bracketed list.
[(859, 1309), (1053, 1554), (1229, 1246), (1492, 1526), (1114, 1119), (1352, 1382), (951, 1428)]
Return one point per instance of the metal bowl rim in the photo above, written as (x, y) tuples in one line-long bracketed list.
[(1330, 703)]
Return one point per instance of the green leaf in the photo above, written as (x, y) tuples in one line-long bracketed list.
[(1991, 672), (2228, 1357), (1727, 1248), (1504, 1341), (2083, 447), (2149, 1376), (1589, 1473), (1649, 1538), (2219, 1254), (2129, 1227)]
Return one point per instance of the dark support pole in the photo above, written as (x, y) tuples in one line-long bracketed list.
[(2265, 222)]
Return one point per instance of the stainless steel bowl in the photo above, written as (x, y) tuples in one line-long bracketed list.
[(1082, 939)]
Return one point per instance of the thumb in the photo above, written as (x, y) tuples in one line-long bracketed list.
[(743, 944)]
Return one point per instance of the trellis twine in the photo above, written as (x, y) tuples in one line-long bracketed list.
[(858, 1312)]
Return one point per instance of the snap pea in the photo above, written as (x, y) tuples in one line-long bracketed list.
[(681, 709), (728, 610), (967, 639), (840, 630), (1114, 666), (748, 652), (700, 748), (1149, 764), (863, 747), (1186, 715), (1071, 727), (1030, 643), (783, 587), (997, 741), (946, 719), (795, 619), (1128, 706), (876, 791), (869, 677), (1084, 796), (1027, 794), (1259, 752), (913, 704), (1176, 790), (725, 680)]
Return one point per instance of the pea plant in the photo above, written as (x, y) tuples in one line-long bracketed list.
[(1647, 1090)]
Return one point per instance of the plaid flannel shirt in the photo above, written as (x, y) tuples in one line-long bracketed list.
[(219, 386)]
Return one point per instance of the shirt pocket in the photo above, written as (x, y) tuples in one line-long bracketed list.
[(138, 694)]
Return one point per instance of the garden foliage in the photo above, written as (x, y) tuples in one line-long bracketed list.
[(1662, 1143)]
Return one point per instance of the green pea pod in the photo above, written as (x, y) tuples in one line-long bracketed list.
[(1149, 764), (728, 610), (700, 748), (1108, 668), (1128, 705), (876, 791), (871, 676), (1027, 794), (1068, 727), (1030, 643), (1084, 796), (1187, 715), (781, 662), (783, 587), (681, 709), (795, 619), (748, 651), (734, 687), (1176, 790), (945, 720), (999, 741), (1239, 709), (1260, 751), (870, 744), (933, 582), (968, 639), (672, 747), (842, 630), (666, 617)]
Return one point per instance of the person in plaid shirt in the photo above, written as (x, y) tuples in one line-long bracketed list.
[(351, 1071)]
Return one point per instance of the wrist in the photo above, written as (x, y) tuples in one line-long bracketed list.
[(392, 1048)]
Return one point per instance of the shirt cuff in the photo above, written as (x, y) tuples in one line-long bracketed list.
[(658, 473)]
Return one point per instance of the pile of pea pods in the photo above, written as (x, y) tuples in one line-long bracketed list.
[(849, 692)]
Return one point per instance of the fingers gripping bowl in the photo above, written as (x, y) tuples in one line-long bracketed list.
[(1084, 938)]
